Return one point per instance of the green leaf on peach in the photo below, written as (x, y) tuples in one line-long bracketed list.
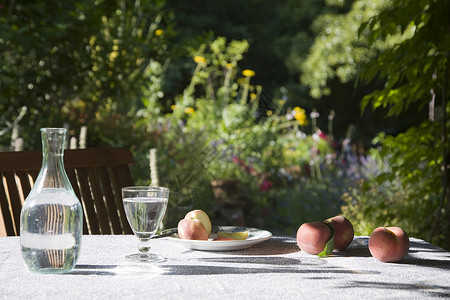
[(329, 246)]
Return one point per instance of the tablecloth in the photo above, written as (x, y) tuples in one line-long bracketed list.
[(273, 269)]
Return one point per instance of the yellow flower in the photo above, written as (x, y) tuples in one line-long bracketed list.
[(248, 73), (199, 59), (301, 119), (173, 106), (269, 113), (300, 116), (252, 96), (188, 110), (113, 55), (159, 32), (92, 40)]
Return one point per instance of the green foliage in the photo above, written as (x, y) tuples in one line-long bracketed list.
[(118, 67), (337, 50), (79, 62), (413, 69), (415, 65), (218, 130), (402, 187), (307, 200), (334, 63), (404, 47), (279, 32), (86, 88)]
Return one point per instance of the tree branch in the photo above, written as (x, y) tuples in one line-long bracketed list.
[(10, 126)]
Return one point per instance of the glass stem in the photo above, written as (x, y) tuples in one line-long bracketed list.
[(144, 245)]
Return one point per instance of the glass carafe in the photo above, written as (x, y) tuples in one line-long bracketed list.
[(51, 220)]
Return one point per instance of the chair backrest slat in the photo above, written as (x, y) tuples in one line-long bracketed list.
[(74, 182), (102, 214), (6, 218), (86, 195), (96, 175), (117, 184), (24, 182), (111, 205), (15, 202)]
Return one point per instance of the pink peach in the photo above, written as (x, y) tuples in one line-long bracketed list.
[(202, 216), (343, 231), (192, 229), (389, 244), (313, 237)]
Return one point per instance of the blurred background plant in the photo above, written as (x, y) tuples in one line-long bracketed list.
[(78, 63), (154, 74), (222, 129), (399, 186)]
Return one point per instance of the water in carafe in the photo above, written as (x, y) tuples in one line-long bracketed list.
[(51, 221)]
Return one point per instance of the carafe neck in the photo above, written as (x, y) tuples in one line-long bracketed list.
[(53, 174)]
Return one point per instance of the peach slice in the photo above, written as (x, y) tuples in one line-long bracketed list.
[(239, 235)]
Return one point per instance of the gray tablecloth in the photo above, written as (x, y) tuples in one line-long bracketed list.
[(274, 269)]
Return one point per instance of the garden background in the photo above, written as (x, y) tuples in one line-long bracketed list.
[(264, 113)]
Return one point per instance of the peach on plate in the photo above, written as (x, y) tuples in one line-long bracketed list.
[(196, 225)]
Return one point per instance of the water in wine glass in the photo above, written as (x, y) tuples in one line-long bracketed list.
[(145, 207), (144, 214)]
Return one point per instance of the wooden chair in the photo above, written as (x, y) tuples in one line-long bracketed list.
[(96, 175)]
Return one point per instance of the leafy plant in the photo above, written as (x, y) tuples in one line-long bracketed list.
[(410, 79), (405, 82), (389, 196), (77, 62), (218, 129)]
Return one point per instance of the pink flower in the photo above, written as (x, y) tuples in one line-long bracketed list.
[(322, 135), (266, 185), (238, 161)]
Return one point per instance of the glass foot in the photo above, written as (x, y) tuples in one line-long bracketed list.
[(145, 257)]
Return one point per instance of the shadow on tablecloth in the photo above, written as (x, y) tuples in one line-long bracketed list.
[(418, 249), (93, 270), (273, 246), (236, 267), (427, 289)]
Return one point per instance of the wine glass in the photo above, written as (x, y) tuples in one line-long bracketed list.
[(145, 207)]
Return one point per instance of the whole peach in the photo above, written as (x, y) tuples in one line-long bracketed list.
[(313, 237), (389, 244), (192, 229), (343, 231), (202, 216)]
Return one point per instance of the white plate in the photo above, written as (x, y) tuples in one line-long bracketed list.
[(255, 236)]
